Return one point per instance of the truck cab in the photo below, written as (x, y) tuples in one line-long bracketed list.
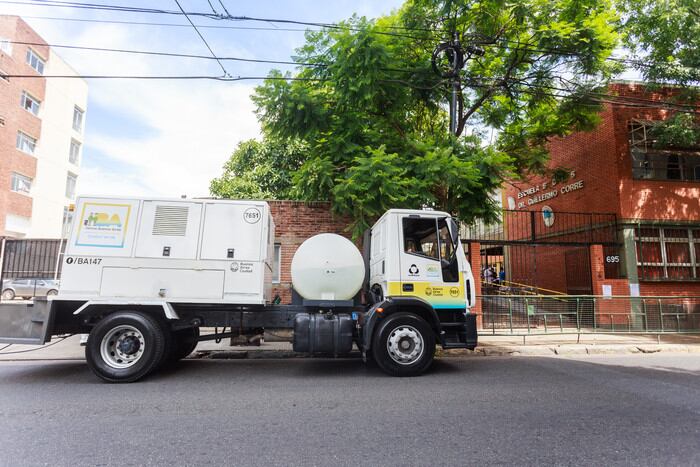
[(422, 288), (418, 254)]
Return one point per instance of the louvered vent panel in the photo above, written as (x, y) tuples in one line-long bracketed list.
[(171, 221)]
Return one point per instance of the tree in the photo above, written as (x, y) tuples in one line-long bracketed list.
[(371, 110), (260, 170), (663, 37)]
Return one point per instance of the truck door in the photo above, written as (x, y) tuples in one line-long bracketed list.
[(429, 267)]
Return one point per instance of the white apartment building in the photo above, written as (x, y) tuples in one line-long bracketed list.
[(59, 150)]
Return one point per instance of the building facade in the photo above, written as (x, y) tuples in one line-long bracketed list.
[(42, 124), (628, 206)]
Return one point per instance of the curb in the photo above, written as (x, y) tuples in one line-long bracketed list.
[(561, 350), (572, 349)]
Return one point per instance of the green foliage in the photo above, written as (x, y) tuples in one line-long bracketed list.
[(681, 131), (260, 170), (664, 35), (664, 38), (372, 113)]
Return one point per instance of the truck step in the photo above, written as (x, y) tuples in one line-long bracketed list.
[(453, 324)]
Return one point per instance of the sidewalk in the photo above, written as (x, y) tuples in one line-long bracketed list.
[(551, 345)]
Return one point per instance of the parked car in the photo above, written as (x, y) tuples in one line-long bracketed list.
[(28, 288)]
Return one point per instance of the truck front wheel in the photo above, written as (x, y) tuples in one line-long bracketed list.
[(124, 347), (404, 345)]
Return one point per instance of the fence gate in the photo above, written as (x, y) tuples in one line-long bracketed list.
[(31, 259), (541, 252)]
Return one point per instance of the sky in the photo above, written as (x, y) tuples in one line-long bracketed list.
[(170, 138)]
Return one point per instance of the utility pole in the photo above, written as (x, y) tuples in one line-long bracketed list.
[(448, 61), (456, 67)]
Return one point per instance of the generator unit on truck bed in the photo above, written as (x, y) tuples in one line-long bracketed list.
[(142, 276)]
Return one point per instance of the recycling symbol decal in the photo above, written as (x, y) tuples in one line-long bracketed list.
[(413, 270)]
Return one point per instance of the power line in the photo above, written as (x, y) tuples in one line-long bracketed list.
[(224, 7), (148, 23), (96, 6), (212, 7), (203, 39), (168, 54), (622, 101), (170, 77), (93, 6)]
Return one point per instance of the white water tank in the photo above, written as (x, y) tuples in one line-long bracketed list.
[(327, 267)]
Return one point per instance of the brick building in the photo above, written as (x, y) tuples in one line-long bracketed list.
[(624, 219), (41, 133)]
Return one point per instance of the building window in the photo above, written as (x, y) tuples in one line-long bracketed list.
[(5, 46), (650, 162), (71, 180), (78, 119), (29, 103), (35, 61), (74, 155), (668, 253), (26, 143), (276, 262), (20, 183)]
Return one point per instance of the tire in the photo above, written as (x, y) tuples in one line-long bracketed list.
[(403, 345), (184, 342), (51, 293), (8, 294), (125, 346)]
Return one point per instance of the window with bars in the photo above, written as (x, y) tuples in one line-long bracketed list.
[(649, 162), (668, 253)]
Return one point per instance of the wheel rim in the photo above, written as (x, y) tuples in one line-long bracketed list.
[(122, 346), (405, 345), (8, 295)]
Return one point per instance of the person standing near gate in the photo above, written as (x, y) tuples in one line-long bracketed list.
[(502, 276), (488, 275)]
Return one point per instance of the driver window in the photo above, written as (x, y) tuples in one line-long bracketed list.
[(420, 237)]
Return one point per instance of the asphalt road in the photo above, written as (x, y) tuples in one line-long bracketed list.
[(607, 410)]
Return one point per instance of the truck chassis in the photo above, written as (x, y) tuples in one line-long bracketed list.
[(128, 341)]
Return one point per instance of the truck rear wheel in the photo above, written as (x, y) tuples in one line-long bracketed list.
[(124, 347), (403, 345)]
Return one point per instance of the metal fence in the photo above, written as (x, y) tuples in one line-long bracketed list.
[(579, 314), (30, 267), (529, 227)]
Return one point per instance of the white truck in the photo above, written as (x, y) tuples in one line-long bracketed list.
[(142, 276)]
